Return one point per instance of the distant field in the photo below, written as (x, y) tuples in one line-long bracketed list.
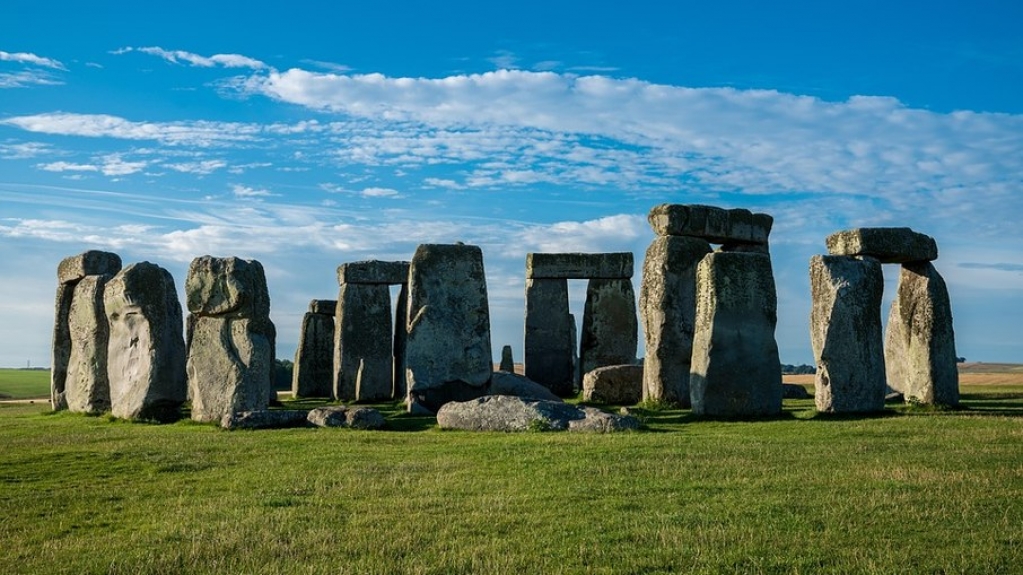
[(24, 383), (969, 374)]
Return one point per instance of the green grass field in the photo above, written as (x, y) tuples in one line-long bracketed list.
[(912, 491), (24, 383)]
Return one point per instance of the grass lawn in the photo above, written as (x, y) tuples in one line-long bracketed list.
[(912, 491), (24, 383)]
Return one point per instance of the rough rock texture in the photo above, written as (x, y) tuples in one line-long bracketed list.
[(579, 266), (888, 245), (313, 374), (70, 271), (507, 383), (505, 413), (610, 325), (343, 416), (87, 387), (507, 361), (329, 416), (363, 362), (265, 419), (616, 384), (448, 355), (373, 272), (667, 299), (845, 332), (550, 343), (735, 368), (716, 225), (793, 391), (147, 351), (231, 338), (326, 307), (920, 354)]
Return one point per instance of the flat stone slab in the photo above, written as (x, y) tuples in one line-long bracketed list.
[(373, 272), (90, 263), (615, 265), (615, 384), (887, 245), (323, 306), (716, 225), (505, 413), (507, 383), (265, 419), (344, 416)]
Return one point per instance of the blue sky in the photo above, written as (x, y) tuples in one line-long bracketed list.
[(310, 136)]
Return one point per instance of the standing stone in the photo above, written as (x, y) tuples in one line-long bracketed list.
[(507, 361), (313, 374), (668, 307), (231, 342), (363, 361), (735, 366), (920, 351), (610, 326), (549, 344), (146, 364), (845, 331), (400, 390), (87, 388), (70, 271), (448, 355)]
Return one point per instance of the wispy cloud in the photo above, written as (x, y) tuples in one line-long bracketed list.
[(999, 266), (32, 59), (247, 192), (198, 133), (181, 56), (28, 78), (380, 193)]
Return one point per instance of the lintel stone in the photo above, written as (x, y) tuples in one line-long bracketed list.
[(373, 272), (92, 262), (616, 265), (323, 307), (887, 245), (713, 224)]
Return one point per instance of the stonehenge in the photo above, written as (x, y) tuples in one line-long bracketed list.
[(366, 345), (917, 358), (610, 328), (313, 374)]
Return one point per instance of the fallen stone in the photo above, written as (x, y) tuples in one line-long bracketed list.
[(920, 355), (735, 366), (147, 364), (505, 413), (793, 391), (617, 265), (614, 384), (887, 245), (845, 333), (447, 355), (610, 331), (596, 421), (373, 272), (265, 419), (330, 416), (506, 383), (550, 342), (668, 308), (90, 263), (364, 418), (713, 224)]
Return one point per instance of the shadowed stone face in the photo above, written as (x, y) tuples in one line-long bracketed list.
[(887, 245), (610, 329), (713, 224), (373, 272), (313, 374), (845, 331), (87, 388), (363, 359), (549, 338), (735, 366), (920, 354), (579, 266)]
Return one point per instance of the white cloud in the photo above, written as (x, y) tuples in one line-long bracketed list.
[(247, 192), (24, 150), (68, 167), (201, 168), (27, 78), (28, 58), (179, 56), (198, 133), (379, 193)]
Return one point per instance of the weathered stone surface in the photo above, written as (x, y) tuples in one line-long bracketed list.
[(373, 272), (313, 373), (610, 325), (146, 365), (735, 367), (329, 416), (596, 421), (507, 383), (617, 265), (710, 223), (230, 337), (668, 308), (227, 287), (363, 363), (364, 418), (507, 361), (265, 419), (506, 413), (323, 307), (87, 388), (550, 343), (888, 245), (845, 332), (793, 391), (90, 263), (616, 384), (400, 389), (448, 355), (920, 354)]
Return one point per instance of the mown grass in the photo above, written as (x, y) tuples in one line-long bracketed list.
[(912, 491), (24, 383)]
